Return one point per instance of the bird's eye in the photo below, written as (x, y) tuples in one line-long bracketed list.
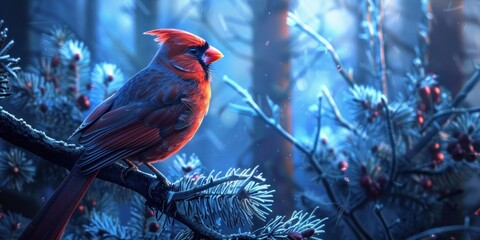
[(193, 50)]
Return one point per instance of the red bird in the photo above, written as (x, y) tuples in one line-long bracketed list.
[(147, 120)]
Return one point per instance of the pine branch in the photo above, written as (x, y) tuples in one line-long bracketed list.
[(357, 227), (467, 88), (19, 133)]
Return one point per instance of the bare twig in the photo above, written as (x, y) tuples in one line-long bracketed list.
[(379, 213), (391, 138), (337, 113), (319, 126), (296, 22)]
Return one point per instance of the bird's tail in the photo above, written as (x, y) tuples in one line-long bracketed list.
[(52, 219)]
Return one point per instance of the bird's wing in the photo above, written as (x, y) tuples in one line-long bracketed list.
[(128, 130), (102, 108)]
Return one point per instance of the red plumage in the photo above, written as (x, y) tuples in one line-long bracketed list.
[(147, 120)]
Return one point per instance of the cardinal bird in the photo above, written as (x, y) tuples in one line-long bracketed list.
[(148, 119)]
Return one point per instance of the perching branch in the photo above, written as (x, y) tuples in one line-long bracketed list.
[(19, 133)]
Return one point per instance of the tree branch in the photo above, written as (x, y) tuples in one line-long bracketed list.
[(351, 218), (422, 143), (19, 133)]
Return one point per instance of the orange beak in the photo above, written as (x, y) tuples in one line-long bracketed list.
[(211, 55)]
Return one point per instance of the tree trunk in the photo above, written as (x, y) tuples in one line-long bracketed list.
[(271, 76)]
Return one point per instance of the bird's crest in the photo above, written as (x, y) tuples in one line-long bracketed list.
[(178, 36)]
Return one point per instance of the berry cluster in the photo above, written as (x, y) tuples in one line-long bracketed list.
[(372, 189), (373, 110), (436, 155), (464, 148), (429, 95)]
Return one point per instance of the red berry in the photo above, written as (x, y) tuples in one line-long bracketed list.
[(365, 181), (324, 140), (15, 170), (427, 184), (93, 203), (375, 113), (294, 236), (154, 227), (109, 78), (81, 209), (420, 120), (83, 102), (77, 56), (149, 213), (436, 94), (308, 233), (435, 148), (439, 157), (343, 166), (425, 93)]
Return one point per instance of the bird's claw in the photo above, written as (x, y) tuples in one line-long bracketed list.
[(125, 172)]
